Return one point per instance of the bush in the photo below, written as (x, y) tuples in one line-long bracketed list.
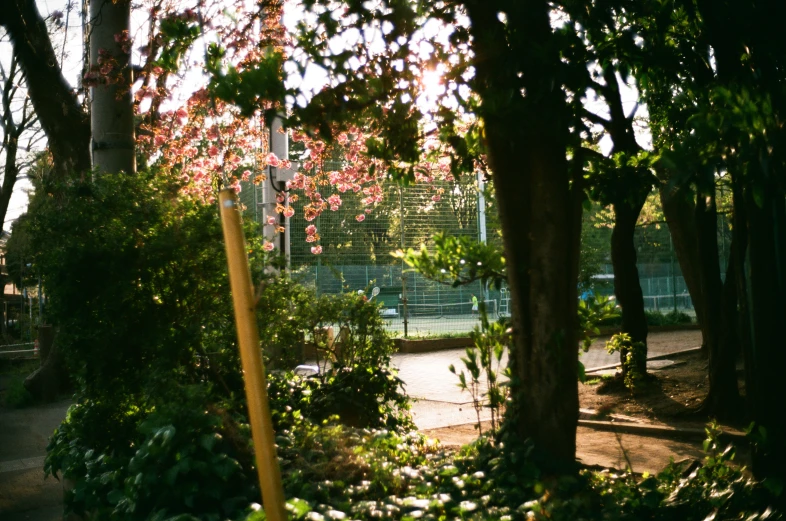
[(136, 278), (176, 458), (137, 284)]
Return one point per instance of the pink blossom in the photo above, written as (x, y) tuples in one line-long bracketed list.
[(159, 140), (308, 165), (342, 138), (271, 220), (280, 198), (286, 164), (245, 175), (212, 151), (311, 229), (272, 160), (436, 198), (334, 200), (311, 238), (268, 246), (289, 211), (360, 218), (316, 250), (367, 210)]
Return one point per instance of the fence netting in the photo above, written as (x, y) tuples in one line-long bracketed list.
[(357, 255)]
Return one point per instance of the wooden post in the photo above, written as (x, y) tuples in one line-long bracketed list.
[(251, 359)]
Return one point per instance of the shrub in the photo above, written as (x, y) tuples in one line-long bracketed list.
[(137, 285), (633, 354)]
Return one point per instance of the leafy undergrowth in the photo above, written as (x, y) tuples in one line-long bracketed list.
[(332, 472), (189, 463)]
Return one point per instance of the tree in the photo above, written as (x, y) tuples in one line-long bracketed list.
[(56, 105), (511, 62), (624, 184), (715, 89), (111, 105), (748, 88), (18, 123)]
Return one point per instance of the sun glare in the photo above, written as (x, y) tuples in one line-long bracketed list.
[(431, 84)]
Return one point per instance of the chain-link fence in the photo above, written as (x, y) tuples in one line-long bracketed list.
[(357, 247), (357, 252)]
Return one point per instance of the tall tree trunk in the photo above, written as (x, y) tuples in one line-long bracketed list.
[(760, 194), (62, 119), (527, 144), (111, 104), (627, 204), (626, 276), (764, 205), (542, 260), (739, 251), (723, 394), (678, 208), (10, 172), (55, 102)]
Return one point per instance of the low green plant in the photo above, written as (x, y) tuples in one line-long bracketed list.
[(593, 312), (633, 355), (483, 360), (672, 318), (654, 318), (16, 396)]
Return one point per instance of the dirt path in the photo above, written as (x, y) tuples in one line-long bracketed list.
[(603, 448)]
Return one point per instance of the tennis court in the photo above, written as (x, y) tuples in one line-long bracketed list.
[(429, 319)]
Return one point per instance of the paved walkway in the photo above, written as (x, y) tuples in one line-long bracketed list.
[(441, 403), (24, 495), (24, 434)]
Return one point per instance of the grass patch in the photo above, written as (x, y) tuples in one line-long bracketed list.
[(436, 336), (18, 366), (16, 396)]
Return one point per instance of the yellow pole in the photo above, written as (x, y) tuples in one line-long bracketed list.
[(251, 359)]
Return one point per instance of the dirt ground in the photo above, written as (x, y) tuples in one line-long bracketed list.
[(675, 387), (603, 448), (669, 395), (674, 390)]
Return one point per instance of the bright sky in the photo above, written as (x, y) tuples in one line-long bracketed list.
[(18, 204), (314, 79)]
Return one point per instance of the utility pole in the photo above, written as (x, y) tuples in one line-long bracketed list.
[(403, 275), (277, 178), (111, 105), (482, 224)]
